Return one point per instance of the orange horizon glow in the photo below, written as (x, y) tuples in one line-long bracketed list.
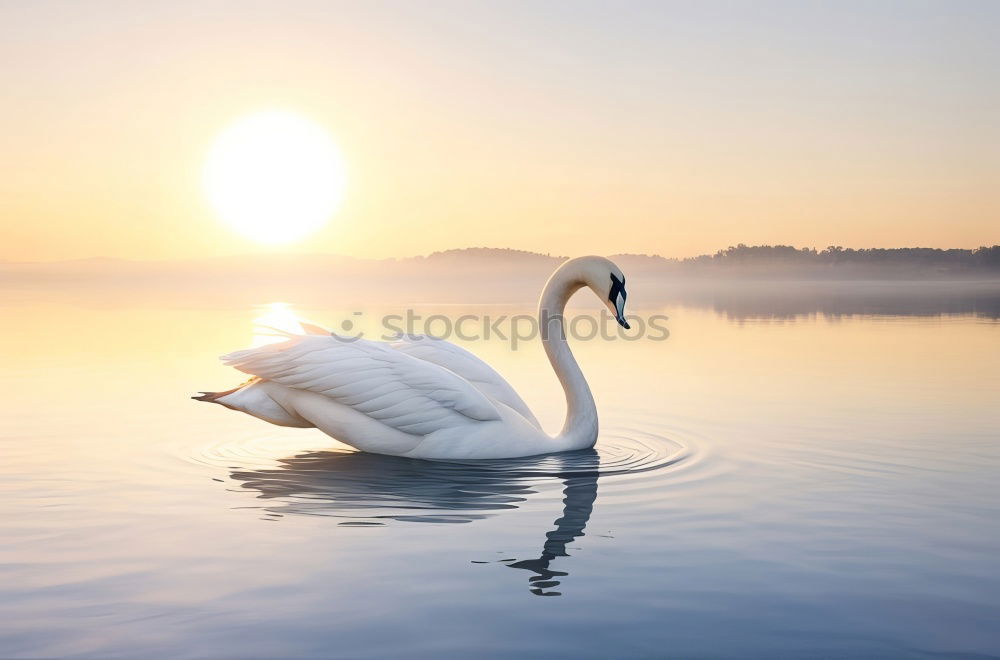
[(609, 133)]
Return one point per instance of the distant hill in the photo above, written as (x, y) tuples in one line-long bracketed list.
[(780, 261), (480, 253), (742, 262), (742, 281)]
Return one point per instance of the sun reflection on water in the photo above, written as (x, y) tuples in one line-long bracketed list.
[(278, 319)]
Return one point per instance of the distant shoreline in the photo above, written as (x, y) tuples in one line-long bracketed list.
[(760, 289), (779, 262), (740, 262)]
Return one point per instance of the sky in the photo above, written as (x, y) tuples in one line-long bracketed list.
[(675, 128)]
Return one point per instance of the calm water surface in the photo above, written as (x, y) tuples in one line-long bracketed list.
[(813, 485)]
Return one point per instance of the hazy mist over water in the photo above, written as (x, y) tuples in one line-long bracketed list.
[(799, 469), (785, 284)]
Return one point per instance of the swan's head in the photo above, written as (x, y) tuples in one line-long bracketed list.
[(616, 298), (606, 280)]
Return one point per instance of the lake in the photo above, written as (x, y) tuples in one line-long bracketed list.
[(793, 481)]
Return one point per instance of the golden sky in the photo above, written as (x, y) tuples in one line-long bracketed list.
[(675, 128)]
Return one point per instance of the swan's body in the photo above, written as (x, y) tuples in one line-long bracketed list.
[(421, 397)]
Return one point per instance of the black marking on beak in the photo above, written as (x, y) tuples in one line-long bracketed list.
[(617, 298)]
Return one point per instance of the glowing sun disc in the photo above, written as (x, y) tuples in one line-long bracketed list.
[(275, 177)]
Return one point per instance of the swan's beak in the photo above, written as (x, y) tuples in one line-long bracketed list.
[(616, 300), (620, 312)]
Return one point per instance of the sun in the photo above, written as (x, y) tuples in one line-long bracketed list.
[(275, 177)]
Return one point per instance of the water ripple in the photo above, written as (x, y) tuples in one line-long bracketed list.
[(372, 489)]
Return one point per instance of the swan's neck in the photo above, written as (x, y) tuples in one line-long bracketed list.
[(580, 428)]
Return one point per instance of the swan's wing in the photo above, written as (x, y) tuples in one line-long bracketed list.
[(466, 365), (399, 390), (306, 327), (311, 328)]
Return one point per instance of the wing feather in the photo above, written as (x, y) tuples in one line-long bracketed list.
[(465, 364), (402, 391)]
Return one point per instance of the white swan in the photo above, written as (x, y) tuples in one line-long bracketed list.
[(421, 397)]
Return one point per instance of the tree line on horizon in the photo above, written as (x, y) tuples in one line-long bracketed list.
[(742, 256), (987, 257)]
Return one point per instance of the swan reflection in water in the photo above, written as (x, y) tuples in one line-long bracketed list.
[(368, 489)]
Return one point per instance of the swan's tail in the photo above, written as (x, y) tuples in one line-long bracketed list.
[(213, 397), (254, 398)]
